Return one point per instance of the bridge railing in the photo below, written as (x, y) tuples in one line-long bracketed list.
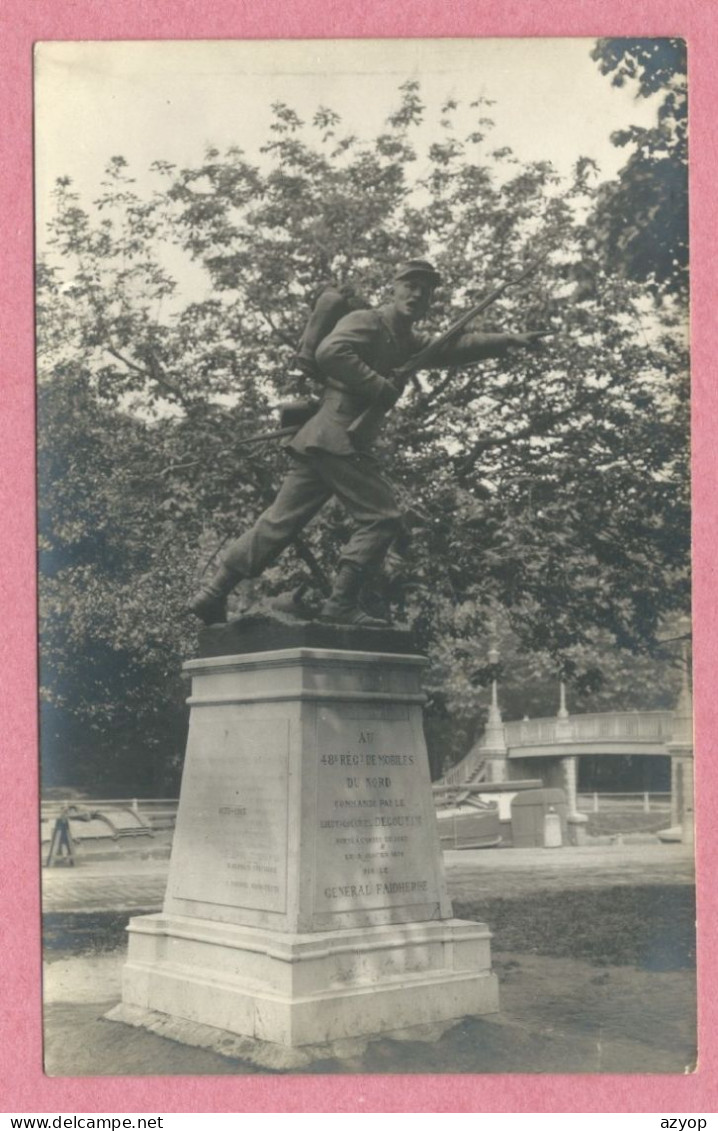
[(529, 732), (470, 770), (635, 726)]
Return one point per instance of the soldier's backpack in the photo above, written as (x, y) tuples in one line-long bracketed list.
[(331, 303)]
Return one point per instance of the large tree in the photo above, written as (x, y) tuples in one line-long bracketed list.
[(548, 491), (641, 219)]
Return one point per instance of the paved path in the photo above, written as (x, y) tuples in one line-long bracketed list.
[(553, 1009), (90, 891), (133, 885), (512, 872)]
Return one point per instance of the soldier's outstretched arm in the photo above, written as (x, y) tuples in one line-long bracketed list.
[(474, 347)]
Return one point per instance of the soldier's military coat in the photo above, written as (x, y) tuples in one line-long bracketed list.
[(356, 359)]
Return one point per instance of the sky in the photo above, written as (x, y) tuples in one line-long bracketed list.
[(170, 99)]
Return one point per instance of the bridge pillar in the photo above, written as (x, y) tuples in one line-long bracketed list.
[(568, 777), (682, 798), (568, 768), (576, 820), (680, 747)]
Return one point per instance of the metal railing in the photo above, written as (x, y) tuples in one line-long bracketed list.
[(158, 812), (161, 812), (623, 802)]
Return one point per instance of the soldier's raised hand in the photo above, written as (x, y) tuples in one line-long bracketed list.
[(398, 379)]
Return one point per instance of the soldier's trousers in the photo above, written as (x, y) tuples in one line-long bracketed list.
[(356, 481)]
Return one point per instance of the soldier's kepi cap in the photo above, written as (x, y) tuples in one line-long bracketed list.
[(418, 267)]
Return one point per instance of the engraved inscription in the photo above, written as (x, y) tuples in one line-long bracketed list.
[(231, 840), (373, 851)]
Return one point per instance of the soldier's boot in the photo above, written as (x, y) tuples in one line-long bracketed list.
[(342, 607), (210, 602)]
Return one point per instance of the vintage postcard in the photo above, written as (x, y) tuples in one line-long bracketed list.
[(363, 452), (348, 413)]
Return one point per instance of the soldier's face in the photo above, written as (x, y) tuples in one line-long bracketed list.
[(412, 297)]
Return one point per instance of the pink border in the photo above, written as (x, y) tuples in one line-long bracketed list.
[(22, 1085)]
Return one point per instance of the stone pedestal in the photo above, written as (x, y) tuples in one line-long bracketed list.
[(306, 900)]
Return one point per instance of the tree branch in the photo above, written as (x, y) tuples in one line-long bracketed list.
[(309, 559), (465, 464), (425, 401), (284, 338), (153, 373)]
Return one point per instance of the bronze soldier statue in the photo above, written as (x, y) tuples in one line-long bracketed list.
[(358, 361)]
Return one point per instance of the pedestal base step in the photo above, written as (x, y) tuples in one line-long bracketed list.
[(263, 1054), (295, 990)]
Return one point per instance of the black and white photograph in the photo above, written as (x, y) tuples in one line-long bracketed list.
[(364, 528)]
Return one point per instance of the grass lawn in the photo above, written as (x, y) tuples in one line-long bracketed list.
[(651, 927)]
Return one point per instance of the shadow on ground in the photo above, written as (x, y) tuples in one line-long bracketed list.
[(595, 980)]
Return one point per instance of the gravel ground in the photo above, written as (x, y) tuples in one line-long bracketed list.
[(594, 950), (557, 1015)]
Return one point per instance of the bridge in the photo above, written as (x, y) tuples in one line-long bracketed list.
[(506, 751), (610, 732), (568, 736)]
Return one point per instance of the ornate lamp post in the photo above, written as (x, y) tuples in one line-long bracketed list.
[(493, 744)]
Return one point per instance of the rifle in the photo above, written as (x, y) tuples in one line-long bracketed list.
[(292, 415), (373, 414), (274, 434)]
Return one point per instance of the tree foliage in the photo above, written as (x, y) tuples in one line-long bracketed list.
[(546, 490), (641, 218)]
